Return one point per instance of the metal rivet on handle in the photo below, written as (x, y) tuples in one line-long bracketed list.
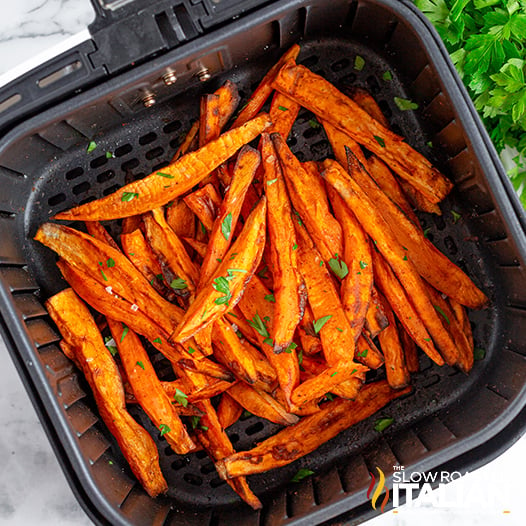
[(169, 78), (149, 100), (203, 75)]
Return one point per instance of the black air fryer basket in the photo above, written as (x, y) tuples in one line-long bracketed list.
[(170, 52)]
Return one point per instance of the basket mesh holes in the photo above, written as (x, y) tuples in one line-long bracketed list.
[(340, 65), (254, 428), (109, 190), (216, 482), (386, 109), (451, 246), (310, 61), (194, 480), (172, 127), (81, 188), (130, 164), (105, 176), (73, 174), (320, 149), (234, 437), (311, 132), (179, 462), (123, 150), (373, 85), (156, 152), (349, 79), (56, 199), (292, 141), (98, 161), (439, 222), (147, 139), (207, 468), (201, 454)]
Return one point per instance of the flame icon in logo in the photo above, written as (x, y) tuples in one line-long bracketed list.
[(378, 490)]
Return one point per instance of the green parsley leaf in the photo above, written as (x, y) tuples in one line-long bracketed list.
[(263, 272), (109, 342), (129, 196), (363, 264), (104, 275), (194, 421), (125, 330), (301, 474), (271, 298), (426, 232), (272, 181), (167, 176), (405, 104), (181, 398), (109, 155), (178, 284), (339, 267), (226, 226), (282, 108), (387, 76), (456, 216), (91, 146), (334, 373), (163, 428), (319, 323), (382, 424), (291, 347), (257, 323), (110, 263), (140, 364), (359, 63), (363, 354), (379, 140), (439, 309), (158, 340), (191, 350), (479, 354)]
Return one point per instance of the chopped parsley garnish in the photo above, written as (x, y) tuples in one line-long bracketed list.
[(334, 373), (387, 76), (456, 216), (109, 155), (291, 347), (158, 340), (181, 398), (319, 323), (140, 364), (125, 330), (194, 421), (226, 226), (339, 329), (441, 311), (233, 256), (272, 181), (301, 474), (339, 267), (109, 342), (163, 428), (257, 323), (313, 123), (405, 258), (269, 341), (362, 354), (221, 285), (191, 350), (359, 63), (382, 424), (103, 275), (479, 354), (405, 104), (129, 196), (263, 272), (168, 176), (178, 284), (379, 140), (363, 264), (110, 263), (426, 232), (282, 108), (271, 298), (91, 146), (295, 246)]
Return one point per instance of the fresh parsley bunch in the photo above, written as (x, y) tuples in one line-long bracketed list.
[(486, 40)]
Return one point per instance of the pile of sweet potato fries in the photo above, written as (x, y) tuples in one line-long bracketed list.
[(271, 285)]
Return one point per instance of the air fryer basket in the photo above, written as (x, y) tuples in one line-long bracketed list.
[(449, 420)]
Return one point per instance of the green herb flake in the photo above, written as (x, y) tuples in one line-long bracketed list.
[(359, 63), (125, 330), (226, 226), (178, 284), (257, 323), (363, 354), (140, 364), (167, 176), (158, 340), (269, 341), (382, 424), (363, 265), (300, 357), (270, 298), (190, 350), (339, 267), (272, 181), (319, 323), (295, 246), (263, 272), (204, 428), (194, 421), (405, 104), (110, 263), (129, 196), (313, 123), (163, 428), (426, 232), (230, 313), (441, 311), (91, 146), (109, 342), (109, 155), (339, 329), (291, 347), (301, 474), (479, 354), (104, 275), (233, 256), (329, 396), (427, 339), (387, 76), (181, 398), (405, 258), (379, 140), (334, 373), (282, 108), (456, 216), (219, 260), (429, 144)]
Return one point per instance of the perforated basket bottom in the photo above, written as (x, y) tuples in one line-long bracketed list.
[(147, 143)]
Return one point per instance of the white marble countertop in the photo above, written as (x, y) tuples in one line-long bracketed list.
[(33, 489)]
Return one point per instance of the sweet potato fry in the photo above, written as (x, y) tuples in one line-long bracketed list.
[(339, 141), (156, 190), (367, 353), (96, 229), (148, 390), (204, 203), (177, 266), (237, 268), (386, 242), (209, 128), (309, 433), (462, 317), (189, 143), (260, 312), (432, 265), (399, 300), (212, 388), (283, 113), (375, 318), (419, 200), (218, 446), (198, 246), (262, 92), (289, 289), (395, 366), (228, 102), (309, 199), (226, 219), (410, 349), (180, 218), (83, 339), (261, 404), (228, 411), (326, 381), (367, 102), (319, 96), (310, 344), (357, 282)]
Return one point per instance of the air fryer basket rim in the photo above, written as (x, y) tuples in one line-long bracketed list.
[(35, 373)]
